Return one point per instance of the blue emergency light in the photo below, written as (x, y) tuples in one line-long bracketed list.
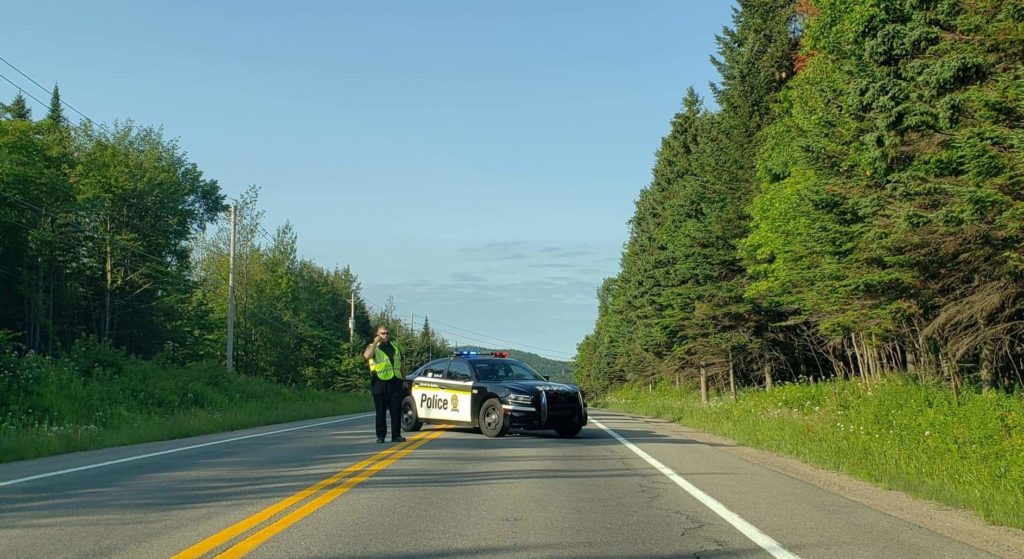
[(467, 353)]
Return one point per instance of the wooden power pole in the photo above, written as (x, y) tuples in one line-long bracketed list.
[(231, 292)]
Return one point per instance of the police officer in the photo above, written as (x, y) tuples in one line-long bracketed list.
[(386, 383)]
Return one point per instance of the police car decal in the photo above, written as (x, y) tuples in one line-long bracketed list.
[(449, 401)]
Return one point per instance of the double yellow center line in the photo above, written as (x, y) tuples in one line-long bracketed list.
[(323, 492)]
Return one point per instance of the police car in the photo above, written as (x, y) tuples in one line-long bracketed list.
[(491, 392)]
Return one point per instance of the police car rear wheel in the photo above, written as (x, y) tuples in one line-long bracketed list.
[(492, 419), (410, 420)]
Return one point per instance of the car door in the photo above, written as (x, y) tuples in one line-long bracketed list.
[(459, 385), (428, 390)]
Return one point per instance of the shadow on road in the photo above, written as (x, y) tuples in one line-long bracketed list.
[(263, 471)]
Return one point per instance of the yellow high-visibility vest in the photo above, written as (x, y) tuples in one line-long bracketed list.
[(383, 367)]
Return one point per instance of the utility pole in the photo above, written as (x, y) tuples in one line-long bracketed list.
[(231, 292), (352, 317), (412, 323)]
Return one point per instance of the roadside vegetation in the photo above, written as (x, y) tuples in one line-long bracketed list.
[(114, 266), (845, 219), (98, 397), (852, 207), (963, 450)]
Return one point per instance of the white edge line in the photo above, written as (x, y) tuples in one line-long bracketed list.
[(746, 528), (173, 450)]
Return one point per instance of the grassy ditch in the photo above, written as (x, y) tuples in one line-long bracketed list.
[(99, 398), (901, 435)]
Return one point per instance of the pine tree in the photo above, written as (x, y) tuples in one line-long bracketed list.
[(55, 114), (715, 326), (650, 261), (19, 109)]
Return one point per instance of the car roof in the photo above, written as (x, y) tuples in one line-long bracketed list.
[(472, 359)]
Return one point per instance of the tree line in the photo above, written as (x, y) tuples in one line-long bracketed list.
[(852, 207), (111, 235)]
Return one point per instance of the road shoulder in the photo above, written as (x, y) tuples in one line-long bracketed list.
[(958, 524)]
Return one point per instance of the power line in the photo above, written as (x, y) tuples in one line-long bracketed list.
[(504, 341), (62, 101), (477, 336), (464, 338), (294, 331), (262, 230), (15, 274), (95, 235), (266, 234), (22, 90)]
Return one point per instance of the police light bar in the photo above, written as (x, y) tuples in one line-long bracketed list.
[(466, 353)]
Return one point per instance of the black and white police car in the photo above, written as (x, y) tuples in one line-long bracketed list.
[(493, 393)]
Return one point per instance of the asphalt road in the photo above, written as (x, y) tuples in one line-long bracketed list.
[(626, 487)]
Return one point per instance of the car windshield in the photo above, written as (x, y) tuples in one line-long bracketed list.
[(501, 370)]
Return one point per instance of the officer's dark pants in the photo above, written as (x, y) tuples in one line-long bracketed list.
[(387, 396)]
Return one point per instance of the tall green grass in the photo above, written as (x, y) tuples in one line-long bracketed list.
[(899, 434), (99, 398)]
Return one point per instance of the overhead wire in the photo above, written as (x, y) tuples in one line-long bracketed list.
[(93, 122), (483, 339), (15, 274), (131, 248), (40, 86), (21, 89), (161, 273), (94, 234), (502, 340), (465, 333)]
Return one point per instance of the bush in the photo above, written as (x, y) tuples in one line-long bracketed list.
[(95, 357)]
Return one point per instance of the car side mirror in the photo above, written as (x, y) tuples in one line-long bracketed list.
[(546, 377)]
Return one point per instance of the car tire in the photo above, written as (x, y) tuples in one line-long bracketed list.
[(410, 419), (569, 432), (492, 419)]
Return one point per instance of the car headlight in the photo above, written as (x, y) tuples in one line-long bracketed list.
[(522, 399)]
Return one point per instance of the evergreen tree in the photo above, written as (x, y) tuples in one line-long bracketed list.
[(892, 182), (678, 299), (19, 109), (715, 327), (56, 112), (650, 260)]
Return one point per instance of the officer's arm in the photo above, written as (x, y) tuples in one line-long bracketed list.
[(368, 352)]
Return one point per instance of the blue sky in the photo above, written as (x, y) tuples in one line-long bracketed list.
[(476, 161)]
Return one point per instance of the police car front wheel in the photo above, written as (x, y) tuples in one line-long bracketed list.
[(492, 419)]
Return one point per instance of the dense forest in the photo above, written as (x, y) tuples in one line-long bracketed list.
[(851, 206), (112, 236)]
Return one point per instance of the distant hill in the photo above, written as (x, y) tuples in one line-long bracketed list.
[(557, 371)]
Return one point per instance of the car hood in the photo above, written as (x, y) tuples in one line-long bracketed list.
[(529, 386)]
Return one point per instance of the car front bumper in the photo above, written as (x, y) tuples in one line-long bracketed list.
[(547, 414)]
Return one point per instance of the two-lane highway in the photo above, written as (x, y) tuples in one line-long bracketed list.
[(626, 487)]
